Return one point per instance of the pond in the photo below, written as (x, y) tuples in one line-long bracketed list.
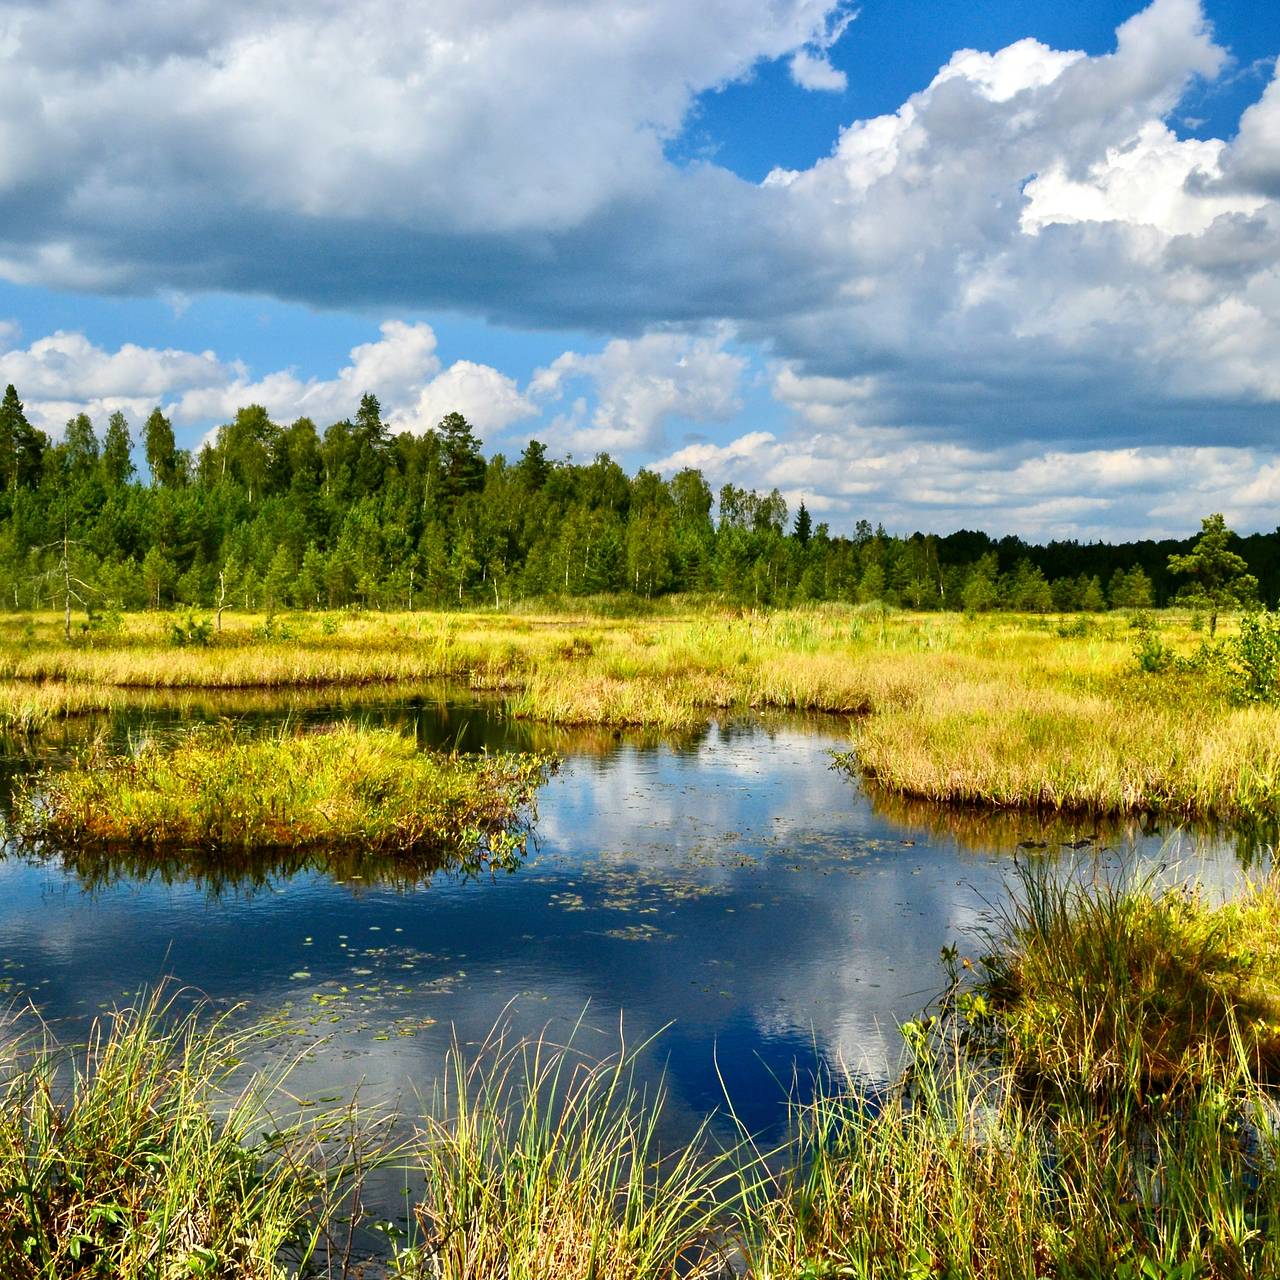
[(730, 894)]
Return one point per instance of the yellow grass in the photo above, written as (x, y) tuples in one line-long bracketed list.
[(998, 710)]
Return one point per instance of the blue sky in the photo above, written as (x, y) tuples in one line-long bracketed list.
[(1030, 287)]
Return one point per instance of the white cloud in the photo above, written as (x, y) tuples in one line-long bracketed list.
[(909, 483), (480, 393), (1154, 179), (639, 385), (66, 373), (811, 67), (814, 71), (470, 114), (1253, 160), (1023, 251)]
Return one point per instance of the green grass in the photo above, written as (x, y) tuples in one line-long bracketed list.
[(1092, 1098), (138, 1156), (1115, 983), (342, 787), (541, 1162)]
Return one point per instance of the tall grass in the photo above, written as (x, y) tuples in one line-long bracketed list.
[(1089, 1099), (541, 1162), (371, 789), (1061, 1112), (137, 1155), (1113, 982)]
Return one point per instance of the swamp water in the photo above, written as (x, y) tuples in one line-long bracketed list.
[(728, 893)]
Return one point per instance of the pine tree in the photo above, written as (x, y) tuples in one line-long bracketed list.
[(803, 529), (1219, 575)]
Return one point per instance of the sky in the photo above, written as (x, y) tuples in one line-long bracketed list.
[(1003, 266)]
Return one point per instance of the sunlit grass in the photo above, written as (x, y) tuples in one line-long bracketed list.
[(344, 786), (138, 1155), (997, 710), (541, 1162)]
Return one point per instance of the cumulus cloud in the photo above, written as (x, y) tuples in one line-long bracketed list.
[(811, 67), (1025, 257), (814, 71), (65, 373), (909, 483), (638, 385)]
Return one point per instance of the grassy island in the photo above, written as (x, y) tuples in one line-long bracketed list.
[(341, 787)]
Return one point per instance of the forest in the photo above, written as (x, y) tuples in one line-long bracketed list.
[(271, 517)]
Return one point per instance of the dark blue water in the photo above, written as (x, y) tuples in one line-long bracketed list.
[(730, 894)]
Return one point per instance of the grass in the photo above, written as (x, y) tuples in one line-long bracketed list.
[(1124, 985), (540, 1162), (1092, 1098), (366, 789), (137, 1156), (1019, 1142), (999, 711)]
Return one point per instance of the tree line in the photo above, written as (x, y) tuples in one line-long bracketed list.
[(266, 516)]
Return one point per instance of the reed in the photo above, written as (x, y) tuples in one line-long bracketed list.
[(1113, 981), (1091, 1098), (541, 1162)]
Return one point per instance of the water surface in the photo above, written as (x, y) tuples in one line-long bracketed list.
[(729, 894)]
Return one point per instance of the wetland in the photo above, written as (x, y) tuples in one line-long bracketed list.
[(753, 925)]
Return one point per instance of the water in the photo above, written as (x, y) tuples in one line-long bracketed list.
[(729, 894)]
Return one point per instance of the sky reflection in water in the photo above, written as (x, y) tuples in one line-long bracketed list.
[(733, 889)]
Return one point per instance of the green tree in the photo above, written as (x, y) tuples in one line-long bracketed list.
[(803, 528), (463, 463), (161, 449), (1092, 599), (1219, 576), (157, 577), (533, 468), (81, 446), (275, 586), (21, 445), (1130, 590), (117, 451)]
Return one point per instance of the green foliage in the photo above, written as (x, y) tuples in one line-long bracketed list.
[(1256, 655), (367, 788), (1150, 653), (351, 515), (191, 631), (135, 1156), (1218, 574)]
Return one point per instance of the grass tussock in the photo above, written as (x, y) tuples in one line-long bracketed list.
[(370, 789), (1091, 1099), (137, 1156), (1118, 984)]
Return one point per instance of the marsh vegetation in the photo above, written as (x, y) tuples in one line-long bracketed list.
[(1060, 1112), (1120, 714), (345, 787)]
